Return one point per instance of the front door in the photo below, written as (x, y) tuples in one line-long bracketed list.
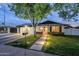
[(45, 30)]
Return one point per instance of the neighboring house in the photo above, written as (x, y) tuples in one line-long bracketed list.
[(18, 29)]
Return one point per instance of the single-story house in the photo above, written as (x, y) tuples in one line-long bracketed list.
[(48, 26), (55, 28)]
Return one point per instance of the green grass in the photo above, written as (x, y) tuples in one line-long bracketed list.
[(24, 42), (62, 45)]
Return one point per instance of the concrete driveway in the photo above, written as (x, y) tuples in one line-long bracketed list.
[(8, 37)]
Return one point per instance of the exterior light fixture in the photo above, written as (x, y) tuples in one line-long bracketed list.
[(41, 28)]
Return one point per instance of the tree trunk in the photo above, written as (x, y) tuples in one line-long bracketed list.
[(34, 31)]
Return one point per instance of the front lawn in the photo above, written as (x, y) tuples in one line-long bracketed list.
[(24, 42), (62, 45)]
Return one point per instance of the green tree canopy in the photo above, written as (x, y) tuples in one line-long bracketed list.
[(66, 10), (32, 11)]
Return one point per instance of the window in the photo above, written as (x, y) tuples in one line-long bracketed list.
[(55, 28)]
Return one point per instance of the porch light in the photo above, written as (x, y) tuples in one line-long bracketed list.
[(41, 28)]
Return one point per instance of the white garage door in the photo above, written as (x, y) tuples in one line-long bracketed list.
[(71, 31)]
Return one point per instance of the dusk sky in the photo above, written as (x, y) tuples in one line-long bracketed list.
[(12, 20)]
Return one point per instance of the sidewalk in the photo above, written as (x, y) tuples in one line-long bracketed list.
[(6, 50), (38, 44)]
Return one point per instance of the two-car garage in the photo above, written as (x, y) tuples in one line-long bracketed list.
[(71, 31)]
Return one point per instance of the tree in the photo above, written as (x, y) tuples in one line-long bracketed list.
[(32, 11), (66, 10)]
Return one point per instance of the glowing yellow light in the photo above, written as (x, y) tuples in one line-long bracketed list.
[(47, 43), (41, 28), (44, 37), (41, 43)]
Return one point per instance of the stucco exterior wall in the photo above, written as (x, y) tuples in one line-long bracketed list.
[(23, 29), (30, 30)]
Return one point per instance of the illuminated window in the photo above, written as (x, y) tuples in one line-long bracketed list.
[(55, 28)]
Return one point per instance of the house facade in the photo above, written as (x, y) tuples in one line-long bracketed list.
[(46, 26), (57, 28)]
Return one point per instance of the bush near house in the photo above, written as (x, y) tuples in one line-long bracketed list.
[(57, 33), (25, 42), (62, 45)]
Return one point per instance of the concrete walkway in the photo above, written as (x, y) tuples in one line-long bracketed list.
[(6, 50), (38, 44)]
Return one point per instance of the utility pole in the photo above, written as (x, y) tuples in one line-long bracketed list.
[(4, 17), (3, 23)]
